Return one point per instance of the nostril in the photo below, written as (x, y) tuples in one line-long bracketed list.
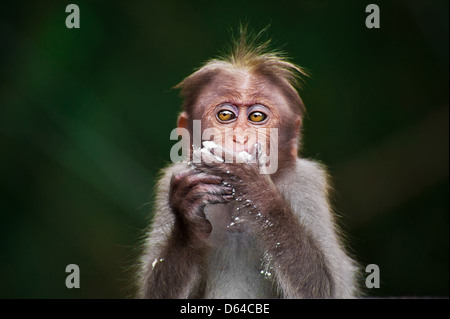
[(241, 139)]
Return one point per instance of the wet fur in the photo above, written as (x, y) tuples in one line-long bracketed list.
[(233, 266)]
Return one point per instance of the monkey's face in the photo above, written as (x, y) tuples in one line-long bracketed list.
[(238, 127), (238, 109)]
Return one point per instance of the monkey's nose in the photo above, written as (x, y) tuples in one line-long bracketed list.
[(241, 139)]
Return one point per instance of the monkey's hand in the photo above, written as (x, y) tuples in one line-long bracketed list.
[(261, 207), (190, 192), (255, 193)]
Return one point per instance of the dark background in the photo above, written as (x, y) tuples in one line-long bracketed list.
[(85, 118)]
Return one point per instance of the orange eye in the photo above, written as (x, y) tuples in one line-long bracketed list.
[(226, 115), (257, 116)]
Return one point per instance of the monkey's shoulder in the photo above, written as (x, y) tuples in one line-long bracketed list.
[(307, 176)]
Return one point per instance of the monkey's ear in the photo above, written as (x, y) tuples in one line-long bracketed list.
[(183, 121), (298, 124)]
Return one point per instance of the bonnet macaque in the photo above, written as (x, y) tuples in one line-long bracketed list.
[(243, 216)]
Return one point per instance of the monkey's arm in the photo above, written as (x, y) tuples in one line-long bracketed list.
[(177, 245), (303, 265), (175, 272), (305, 189), (168, 268), (291, 254)]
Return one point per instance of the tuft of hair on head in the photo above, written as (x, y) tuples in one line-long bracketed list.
[(248, 52)]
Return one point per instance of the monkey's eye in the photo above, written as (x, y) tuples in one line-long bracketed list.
[(226, 115), (257, 116)]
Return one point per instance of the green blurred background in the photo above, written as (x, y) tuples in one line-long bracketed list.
[(85, 118)]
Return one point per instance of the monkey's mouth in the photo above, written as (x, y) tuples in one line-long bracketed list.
[(238, 148), (220, 154)]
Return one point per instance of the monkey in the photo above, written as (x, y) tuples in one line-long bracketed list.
[(228, 229)]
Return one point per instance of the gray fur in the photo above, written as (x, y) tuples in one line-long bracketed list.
[(235, 266)]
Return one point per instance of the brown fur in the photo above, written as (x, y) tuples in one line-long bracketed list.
[(274, 236)]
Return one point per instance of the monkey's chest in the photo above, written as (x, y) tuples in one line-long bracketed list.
[(235, 264)]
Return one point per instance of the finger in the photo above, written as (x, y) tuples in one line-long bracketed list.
[(205, 190), (256, 151), (199, 203), (209, 157), (191, 178), (202, 178), (177, 178)]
